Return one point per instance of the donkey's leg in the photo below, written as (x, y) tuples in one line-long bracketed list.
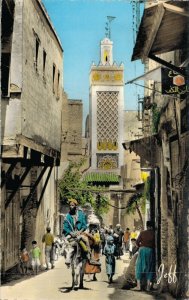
[(77, 273), (81, 280), (73, 276), (82, 271)]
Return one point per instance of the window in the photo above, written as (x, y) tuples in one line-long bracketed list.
[(58, 82), (7, 20), (36, 49), (44, 61), (36, 52), (54, 70), (5, 70)]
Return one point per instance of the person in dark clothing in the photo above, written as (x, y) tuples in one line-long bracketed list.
[(102, 238), (134, 247), (118, 240)]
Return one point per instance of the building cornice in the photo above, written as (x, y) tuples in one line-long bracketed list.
[(45, 14)]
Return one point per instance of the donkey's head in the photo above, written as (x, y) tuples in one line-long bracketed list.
[(68, 253)]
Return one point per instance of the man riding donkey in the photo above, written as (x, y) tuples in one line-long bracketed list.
[(73, 228), (75, 224)]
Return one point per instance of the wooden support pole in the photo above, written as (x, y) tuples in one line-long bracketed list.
[(44, 187), (20, 182), (8, 173), (33, 189)]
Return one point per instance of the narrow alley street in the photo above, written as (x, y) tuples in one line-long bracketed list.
[(54, 285), (95, 148)]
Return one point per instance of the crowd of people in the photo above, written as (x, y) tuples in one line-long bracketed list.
[(97, 240)]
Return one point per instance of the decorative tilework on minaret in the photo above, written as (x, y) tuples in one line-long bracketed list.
[(106, 111)]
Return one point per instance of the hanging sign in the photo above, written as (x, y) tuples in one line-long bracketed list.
[(173, 82)]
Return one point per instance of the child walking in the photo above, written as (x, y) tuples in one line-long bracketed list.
[(35, 256), (109, 252), (24, 261)]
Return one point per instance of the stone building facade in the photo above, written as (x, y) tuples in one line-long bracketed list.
[(31, 105), (75, 114), (167, 161), (131, 171)]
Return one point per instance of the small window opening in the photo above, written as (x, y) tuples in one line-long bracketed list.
[(36, 52), (58, 82), (5, 70), (54, 69), (44, 61)]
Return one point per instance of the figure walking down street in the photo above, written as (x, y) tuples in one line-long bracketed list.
[(24, 261), (118, 240), (134, 247), (109, 252), (126, 238), (145, 264), (102, 238), (111, 228), (93, 266), (35, 257), (133, 235), (48, 239)]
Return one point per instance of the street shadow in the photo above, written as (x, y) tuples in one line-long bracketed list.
[(128, 292), (14, 277), (65, 290)]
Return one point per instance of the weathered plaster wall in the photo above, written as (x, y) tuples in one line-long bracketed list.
[(41, 101)]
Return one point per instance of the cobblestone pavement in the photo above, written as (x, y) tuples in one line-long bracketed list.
[(55, 285)]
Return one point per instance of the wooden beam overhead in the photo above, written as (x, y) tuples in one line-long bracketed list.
[(176, 9), (154, 29), (163, 28), (44, 149)]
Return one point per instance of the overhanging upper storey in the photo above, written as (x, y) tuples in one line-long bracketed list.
[(164, 27)]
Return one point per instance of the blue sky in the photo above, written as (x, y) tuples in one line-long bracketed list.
[(80, 25)]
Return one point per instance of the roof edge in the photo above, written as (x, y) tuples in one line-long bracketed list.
[(45, 13)]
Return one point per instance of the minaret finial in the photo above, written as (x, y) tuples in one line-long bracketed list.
[(108, 28)]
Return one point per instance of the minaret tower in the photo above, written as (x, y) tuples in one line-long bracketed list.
[(106, 111)]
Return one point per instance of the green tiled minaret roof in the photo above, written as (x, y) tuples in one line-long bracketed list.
[(102, 177)]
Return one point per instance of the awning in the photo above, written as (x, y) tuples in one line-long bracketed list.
[(102, 178), (163, 28), (154, 74)]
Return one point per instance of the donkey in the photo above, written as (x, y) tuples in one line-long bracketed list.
[(76, 259)]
